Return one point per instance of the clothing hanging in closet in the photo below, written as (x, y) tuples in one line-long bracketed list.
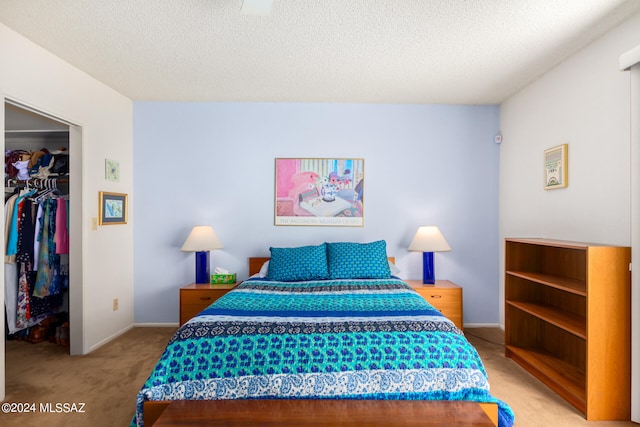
[(37, 261)]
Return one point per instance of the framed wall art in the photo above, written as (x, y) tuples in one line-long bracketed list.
[(112, 208), (111, 170), (319, 191), (556, 172)]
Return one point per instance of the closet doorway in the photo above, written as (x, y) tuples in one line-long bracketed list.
[(53, 148)]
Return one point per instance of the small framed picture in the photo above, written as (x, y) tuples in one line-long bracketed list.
[(111, 170), (113, 208), (556, 173)]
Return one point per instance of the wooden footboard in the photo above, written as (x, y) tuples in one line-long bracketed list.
[(340, 413), (153, 410)]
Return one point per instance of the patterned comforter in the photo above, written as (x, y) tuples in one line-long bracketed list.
[(338, 339)]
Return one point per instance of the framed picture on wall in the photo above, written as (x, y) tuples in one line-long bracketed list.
[(319, 191), (111, 170), (556, 172), (112, 208)]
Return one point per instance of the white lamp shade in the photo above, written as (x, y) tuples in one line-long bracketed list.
[(429, 239), (202, 238)]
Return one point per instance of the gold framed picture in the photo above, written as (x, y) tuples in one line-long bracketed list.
[(556, 171), (113, 208)]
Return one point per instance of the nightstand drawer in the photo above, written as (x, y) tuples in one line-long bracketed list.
[(448, 303), (444, 296), (201, 298), (442, 299), (189, 311), (195, 298)]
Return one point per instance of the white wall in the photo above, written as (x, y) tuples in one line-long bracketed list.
[(585, 102), (36, 78), (213, 163)]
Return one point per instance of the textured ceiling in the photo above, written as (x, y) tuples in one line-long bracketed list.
[(371, 51)]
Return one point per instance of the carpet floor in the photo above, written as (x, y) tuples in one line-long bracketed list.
[(105, 382)]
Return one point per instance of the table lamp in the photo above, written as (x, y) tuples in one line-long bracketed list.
[(428, 239), (201, 240)]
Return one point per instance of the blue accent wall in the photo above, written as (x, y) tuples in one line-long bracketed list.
[(214, 164)]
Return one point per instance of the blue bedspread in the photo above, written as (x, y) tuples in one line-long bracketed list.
[(345, 339)]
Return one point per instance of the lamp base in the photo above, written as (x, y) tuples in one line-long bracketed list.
[(202, 267), (428, 272)]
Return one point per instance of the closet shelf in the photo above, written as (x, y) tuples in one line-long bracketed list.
[(35, 131)]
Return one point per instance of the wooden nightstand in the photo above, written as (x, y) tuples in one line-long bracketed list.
[(196, 297), (445, 296)]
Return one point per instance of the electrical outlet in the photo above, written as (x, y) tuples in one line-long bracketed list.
[(94, 223), (115, 304)]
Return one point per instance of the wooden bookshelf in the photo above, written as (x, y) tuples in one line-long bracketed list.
[(567, 321)]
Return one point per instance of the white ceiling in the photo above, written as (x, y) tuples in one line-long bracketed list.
[(370, 51)]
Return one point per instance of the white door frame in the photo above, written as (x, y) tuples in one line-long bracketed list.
[(630, 61)]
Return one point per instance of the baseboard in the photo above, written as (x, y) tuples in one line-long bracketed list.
[(483, 325), (156, 325), (109, 338)]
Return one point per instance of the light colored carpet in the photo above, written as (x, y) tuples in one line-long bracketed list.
[(107, 381), (533, 403)]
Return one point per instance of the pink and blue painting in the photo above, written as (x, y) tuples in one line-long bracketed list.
[(324, 192)]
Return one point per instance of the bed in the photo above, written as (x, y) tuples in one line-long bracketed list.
[(304, 331)]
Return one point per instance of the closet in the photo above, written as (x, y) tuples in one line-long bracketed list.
[(36, 236)]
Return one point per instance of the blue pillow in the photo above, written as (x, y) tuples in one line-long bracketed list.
[(349, 260), (301, 263)]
